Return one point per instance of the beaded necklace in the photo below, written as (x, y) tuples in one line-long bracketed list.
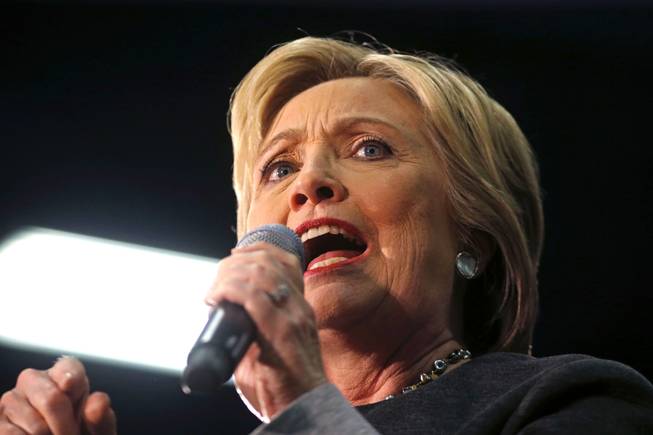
[(439, 367)]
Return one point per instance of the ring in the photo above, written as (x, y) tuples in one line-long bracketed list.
[(280, 295)]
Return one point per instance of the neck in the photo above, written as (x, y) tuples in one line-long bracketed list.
[(366, 374)]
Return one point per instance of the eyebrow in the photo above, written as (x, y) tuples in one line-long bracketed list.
[(293, 134)]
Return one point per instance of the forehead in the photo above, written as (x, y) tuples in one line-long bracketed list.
[(334, 100)]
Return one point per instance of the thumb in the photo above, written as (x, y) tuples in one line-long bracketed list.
[(97, 415), (69, 375)]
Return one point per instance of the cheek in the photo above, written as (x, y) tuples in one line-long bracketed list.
[(265, 211), (406, 203), (415, 234)]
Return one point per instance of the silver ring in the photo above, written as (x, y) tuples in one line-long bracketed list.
[(280, 295)]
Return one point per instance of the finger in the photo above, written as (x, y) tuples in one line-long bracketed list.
[(288, 266), (8, 428), (255, 301), (286, 258), (234, 277), (21, 414), (239, 290), (257, 291), (233, 267), (255, 269), (69, 374), (266, 261), (257, 246), (54, 406), (98, 417), (261, 259)]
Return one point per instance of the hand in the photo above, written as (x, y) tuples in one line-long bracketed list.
[(284, 361), (56, 401)]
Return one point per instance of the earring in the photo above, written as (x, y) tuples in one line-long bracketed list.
[(467, 265)]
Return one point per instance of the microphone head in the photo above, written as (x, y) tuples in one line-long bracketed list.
[(277, 235)]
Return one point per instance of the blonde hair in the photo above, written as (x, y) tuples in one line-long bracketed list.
[(492, 177)]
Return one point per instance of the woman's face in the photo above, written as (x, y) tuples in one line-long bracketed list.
[(353, 156)]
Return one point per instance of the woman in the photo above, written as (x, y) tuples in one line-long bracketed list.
[(417, 199)]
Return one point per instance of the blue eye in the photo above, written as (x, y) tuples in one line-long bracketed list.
[(279, 170), (372, 149)]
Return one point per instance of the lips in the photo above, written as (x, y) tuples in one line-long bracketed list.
[(331, 258), (330, 243)]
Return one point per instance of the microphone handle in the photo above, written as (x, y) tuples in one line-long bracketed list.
[(229, 331), (219, 348)]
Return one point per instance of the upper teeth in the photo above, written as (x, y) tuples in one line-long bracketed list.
[(324, 229)]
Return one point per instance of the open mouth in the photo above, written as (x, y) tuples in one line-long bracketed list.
[(330, 243)]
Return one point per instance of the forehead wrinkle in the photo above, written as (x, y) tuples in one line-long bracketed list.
[(292, 135), (316, 120), (325, 117), (312, 122), (351, 121)]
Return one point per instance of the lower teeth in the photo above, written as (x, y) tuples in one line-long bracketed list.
[(327, 262)]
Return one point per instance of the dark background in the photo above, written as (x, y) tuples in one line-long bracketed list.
[(113, 124)]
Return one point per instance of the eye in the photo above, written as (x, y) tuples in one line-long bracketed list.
[(372, 149), (277, 171)]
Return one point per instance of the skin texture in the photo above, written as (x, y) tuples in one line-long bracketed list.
[(320, 159)]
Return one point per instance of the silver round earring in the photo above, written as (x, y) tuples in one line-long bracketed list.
[(467, 265)]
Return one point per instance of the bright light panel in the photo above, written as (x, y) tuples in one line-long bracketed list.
[(102, 299)]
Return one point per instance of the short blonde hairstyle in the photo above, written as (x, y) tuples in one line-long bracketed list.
[(491, 175)]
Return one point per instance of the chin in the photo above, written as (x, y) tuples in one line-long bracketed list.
[(341, 298)]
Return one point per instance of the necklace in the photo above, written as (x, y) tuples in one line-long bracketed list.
[(439, 367)]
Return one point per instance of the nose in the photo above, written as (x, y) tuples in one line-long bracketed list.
[(314, 185)]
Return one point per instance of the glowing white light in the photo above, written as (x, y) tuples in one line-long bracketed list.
[(102, 299)]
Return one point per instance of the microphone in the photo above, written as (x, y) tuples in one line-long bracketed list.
[(229, 331)]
